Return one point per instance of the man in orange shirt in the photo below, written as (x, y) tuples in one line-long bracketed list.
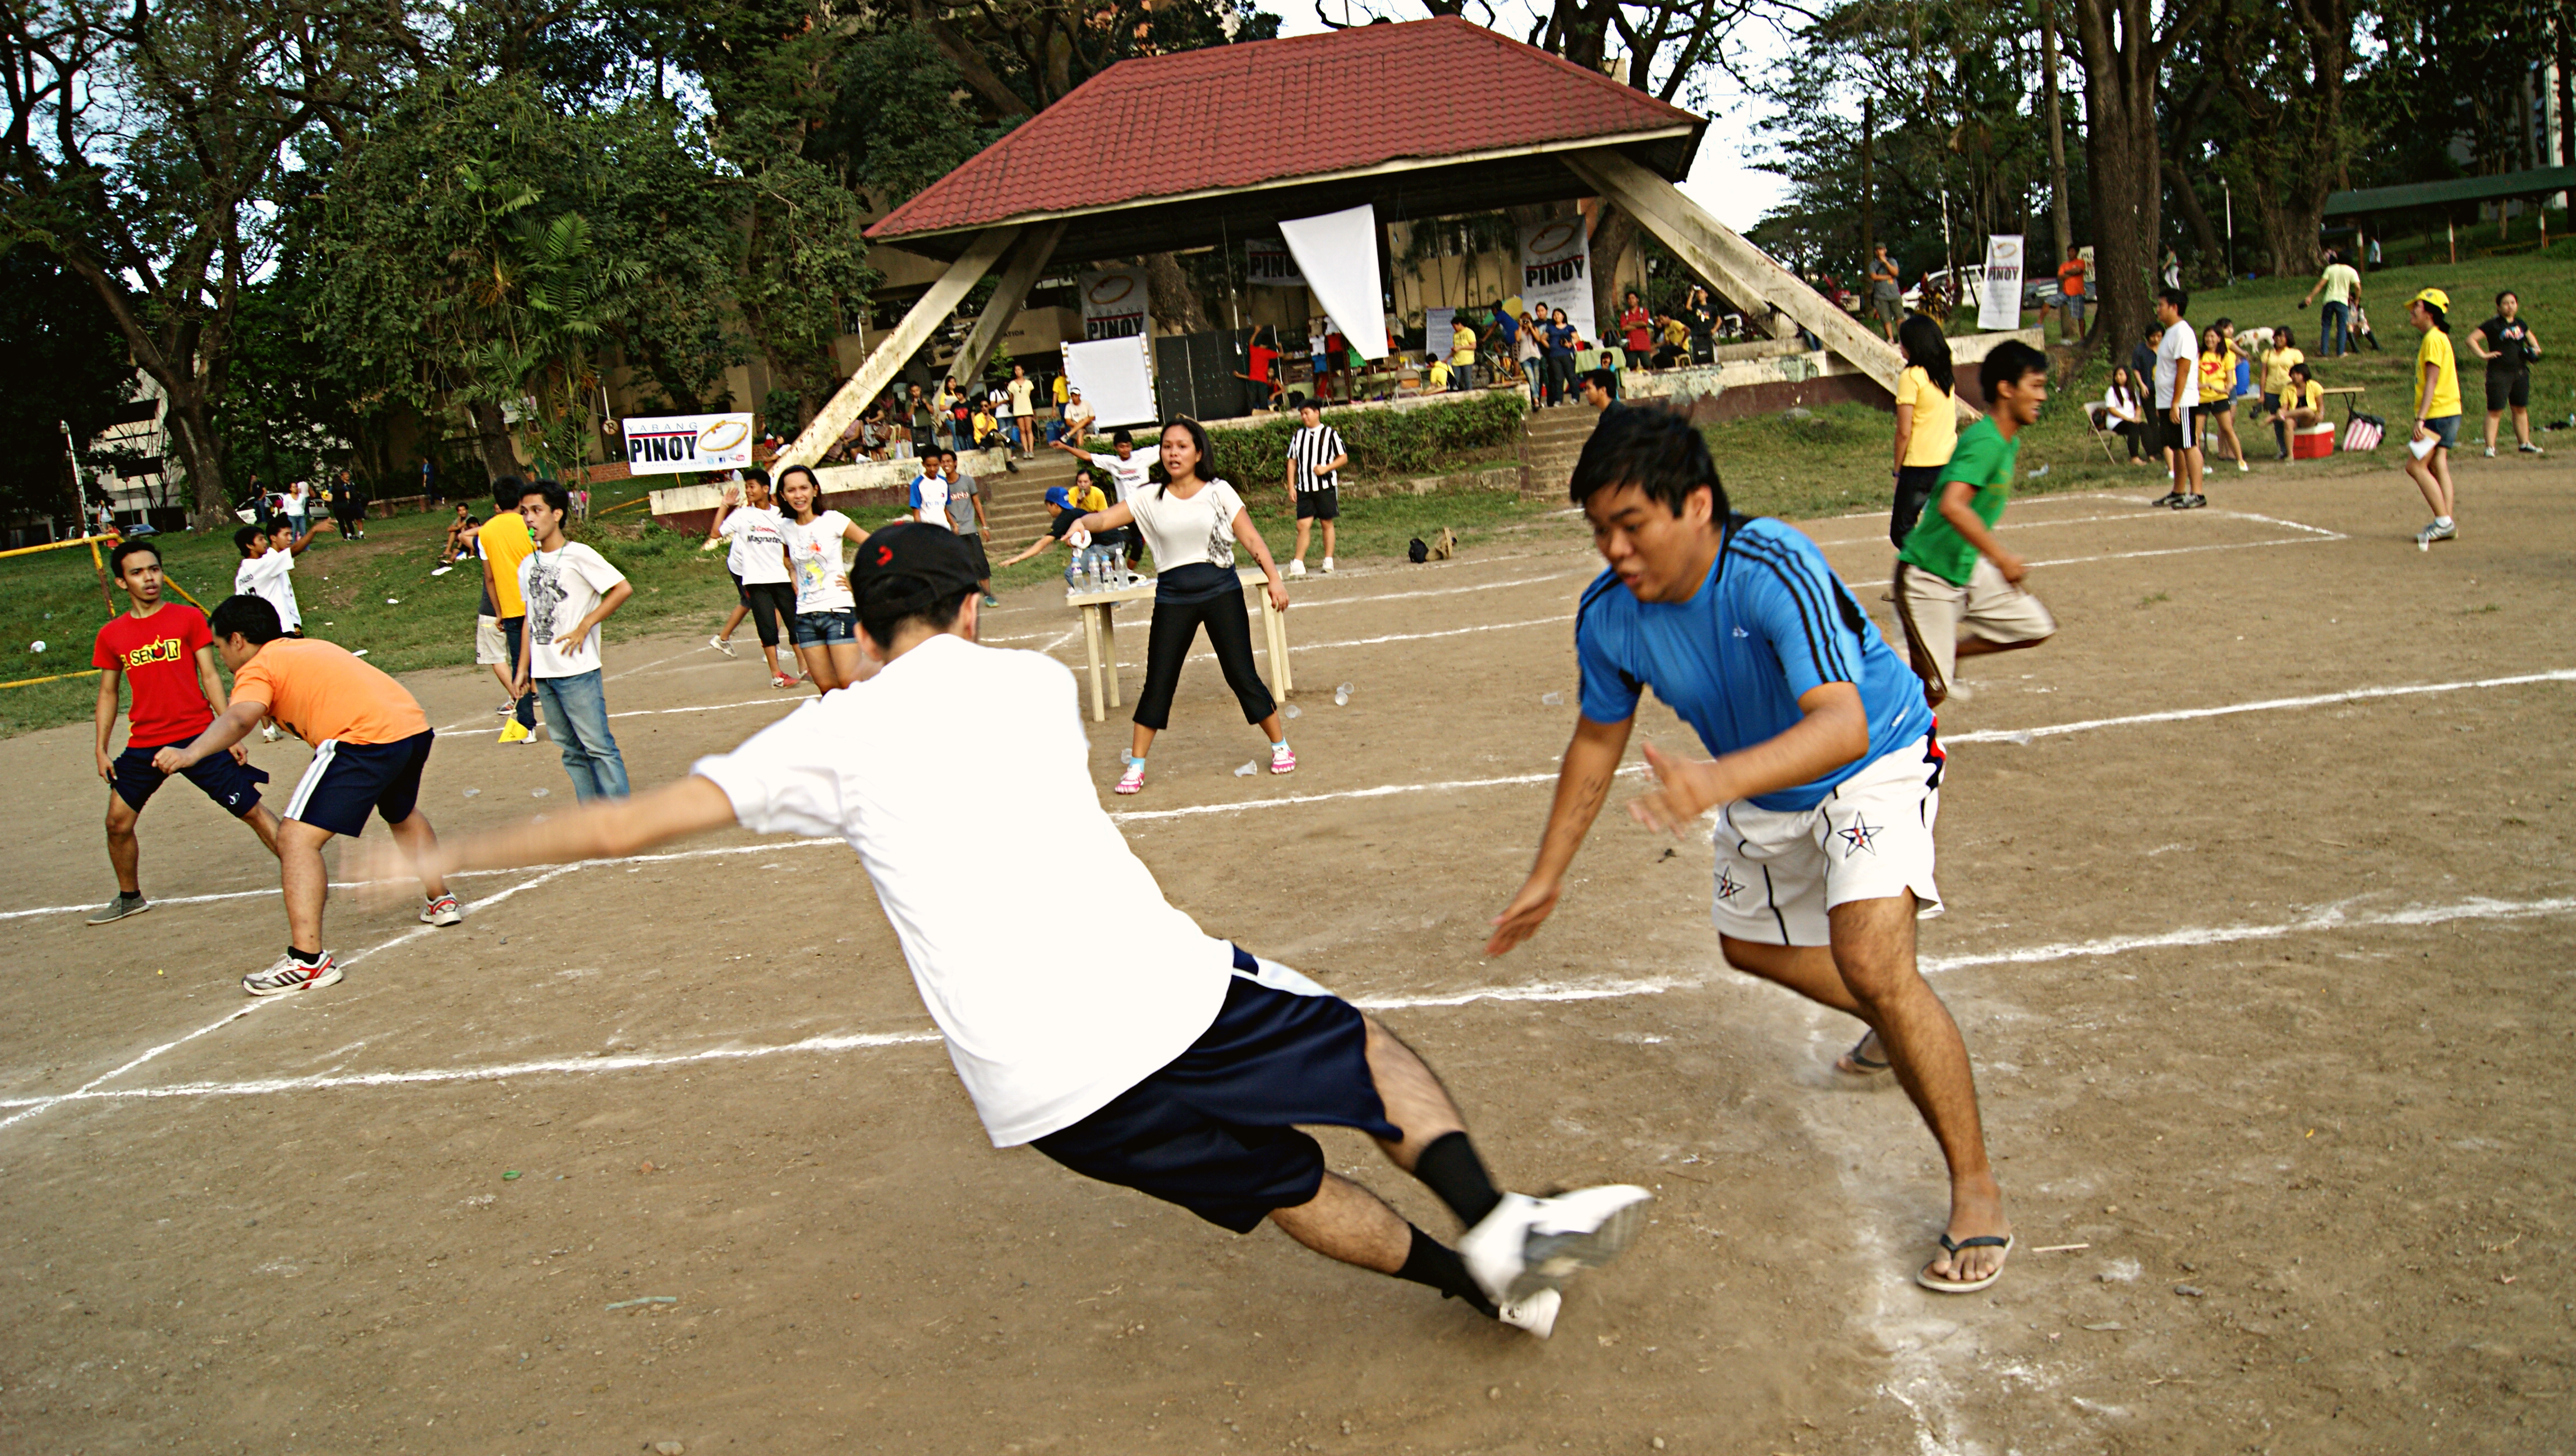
[(370, 740), (2070, 289)]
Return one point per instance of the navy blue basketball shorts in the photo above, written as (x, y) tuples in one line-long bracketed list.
[(1215, 1130), (233, 786), (347, 781)]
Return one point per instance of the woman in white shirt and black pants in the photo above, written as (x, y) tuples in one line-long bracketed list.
[(1192, 522)]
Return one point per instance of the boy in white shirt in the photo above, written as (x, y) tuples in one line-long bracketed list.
[(930, 491), (1169, 1062), (570, 589), (267, 569)]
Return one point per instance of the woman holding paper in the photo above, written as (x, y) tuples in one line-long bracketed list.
[(2437, 414)]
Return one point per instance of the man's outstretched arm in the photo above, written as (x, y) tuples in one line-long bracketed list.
[(605, 829), (1591, 761)]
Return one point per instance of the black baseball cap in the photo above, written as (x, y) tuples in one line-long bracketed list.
[(910, 567)]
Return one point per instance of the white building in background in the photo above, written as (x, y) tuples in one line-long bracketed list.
[(128, 464)]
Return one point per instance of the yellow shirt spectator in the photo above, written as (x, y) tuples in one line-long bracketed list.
[(1462, 344), (2276, 367), (2294, 398), (2217, 376), (2444, 399), (1936, 419), (505, 544)]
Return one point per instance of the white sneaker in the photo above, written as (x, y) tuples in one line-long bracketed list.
[(1529, 1244), (1297, 567), (441, 911), (2491, 452), (721, 645), (287, 977), (1536, 1314), (1328, 566)]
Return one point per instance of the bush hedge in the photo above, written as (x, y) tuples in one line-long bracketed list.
[(1382, 443)]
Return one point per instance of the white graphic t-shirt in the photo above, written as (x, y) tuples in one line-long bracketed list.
[(271, 578), (1129, 473), (758, 550), (561, 588), (822, 579)]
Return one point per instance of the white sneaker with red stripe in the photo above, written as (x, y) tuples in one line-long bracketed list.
[(441, 911), (290, 975), (1134, 778)]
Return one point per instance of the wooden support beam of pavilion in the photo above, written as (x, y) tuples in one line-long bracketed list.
[(878, 369)]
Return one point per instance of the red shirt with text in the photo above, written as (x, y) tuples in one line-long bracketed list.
[(158, 655)]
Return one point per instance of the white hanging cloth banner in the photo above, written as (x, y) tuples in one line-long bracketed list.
[(1338, 254)]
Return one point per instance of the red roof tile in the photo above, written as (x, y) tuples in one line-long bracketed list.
[(1266, 112)]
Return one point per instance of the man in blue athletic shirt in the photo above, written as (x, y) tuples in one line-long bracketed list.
[(1826, 773)]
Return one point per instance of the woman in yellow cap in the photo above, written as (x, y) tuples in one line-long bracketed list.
[(2437, 414)]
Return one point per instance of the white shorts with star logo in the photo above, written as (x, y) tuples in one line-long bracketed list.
[(1779, 872)]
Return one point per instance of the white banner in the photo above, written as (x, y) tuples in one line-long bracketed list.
[(1556, 271), (677, 444), (1435, 331), (1113, 305), (1116, 377), (2000, 305), (1267, 263), (1338, 254)]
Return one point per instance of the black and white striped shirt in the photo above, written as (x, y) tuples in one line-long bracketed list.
[(1310, 448)]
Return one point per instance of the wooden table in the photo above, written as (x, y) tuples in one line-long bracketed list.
[(1100, 637)]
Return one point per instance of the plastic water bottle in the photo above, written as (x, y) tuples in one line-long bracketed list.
[(1118, 565)]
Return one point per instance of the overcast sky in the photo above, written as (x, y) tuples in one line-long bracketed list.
[(1719, 180)]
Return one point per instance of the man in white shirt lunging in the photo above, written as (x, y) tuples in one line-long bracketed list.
[(570, 589), (1169, 1062)]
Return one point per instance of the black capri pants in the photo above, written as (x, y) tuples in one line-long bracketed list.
[(1176, 631), (1915, 485), (773, 609)]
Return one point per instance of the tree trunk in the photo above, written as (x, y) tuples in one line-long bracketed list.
[(2197, 216), (1172, 296), (492, 440), (1868, 199), (1612, 238), (2120, 69), (2058, 201)]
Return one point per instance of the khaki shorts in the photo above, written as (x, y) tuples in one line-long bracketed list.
[(490, 648), (1933, 611)]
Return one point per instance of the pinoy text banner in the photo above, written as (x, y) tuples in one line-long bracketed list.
[(1267, 263), (1556, 271), (2000, 306), (1113, 304), (674, 444)]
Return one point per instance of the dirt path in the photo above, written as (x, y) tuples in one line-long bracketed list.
[(2268, 1003)]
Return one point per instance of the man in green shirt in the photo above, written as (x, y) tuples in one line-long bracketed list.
[(1952, 573)]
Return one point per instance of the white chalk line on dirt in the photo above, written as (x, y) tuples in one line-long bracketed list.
[(2332, 918), (30, 1106), (777, 696), (1124, 816), (2266, 705)]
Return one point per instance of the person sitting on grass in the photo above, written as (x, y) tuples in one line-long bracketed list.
[(461, 542)]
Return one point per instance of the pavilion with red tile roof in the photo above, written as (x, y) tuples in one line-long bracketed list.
[(1425, 119)]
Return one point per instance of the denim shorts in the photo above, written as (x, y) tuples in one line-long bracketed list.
[(817, 629), (2446, 430)]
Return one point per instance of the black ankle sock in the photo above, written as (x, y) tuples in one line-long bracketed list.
[(1433, 1263), (1450, 1168), (304, 958)]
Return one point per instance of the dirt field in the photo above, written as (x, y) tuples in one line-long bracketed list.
[(2261, 919)]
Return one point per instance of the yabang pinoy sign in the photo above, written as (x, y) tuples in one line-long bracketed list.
[(1556, 271), (676, 444), (1113, 303), (1267, 263)]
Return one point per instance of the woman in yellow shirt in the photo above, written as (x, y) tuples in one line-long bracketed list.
[(2217, 407), (1927, 420), (2437, 413), (2277, 362)]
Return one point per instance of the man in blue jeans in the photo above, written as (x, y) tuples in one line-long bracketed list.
[(569, 590)]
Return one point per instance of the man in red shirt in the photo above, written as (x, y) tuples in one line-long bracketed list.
[(1639, 326), (167, 652)]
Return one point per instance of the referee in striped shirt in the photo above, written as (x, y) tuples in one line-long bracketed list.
[(1315, 461)]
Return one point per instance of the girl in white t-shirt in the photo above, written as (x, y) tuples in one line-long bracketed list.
[(1192, 523), (827, 617)]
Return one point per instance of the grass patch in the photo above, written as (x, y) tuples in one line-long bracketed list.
[(378, 593)]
